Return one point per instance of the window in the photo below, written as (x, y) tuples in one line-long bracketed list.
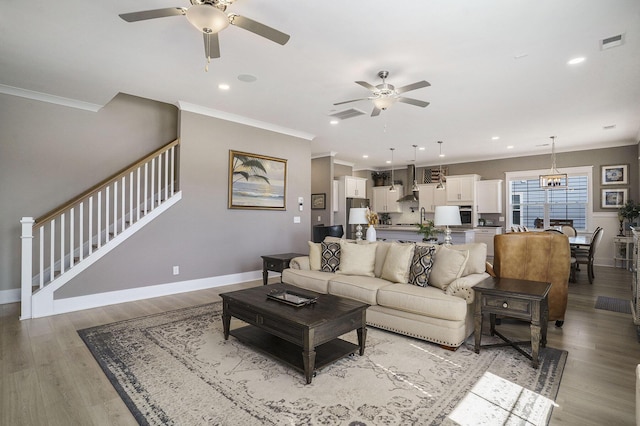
[(535, 207)]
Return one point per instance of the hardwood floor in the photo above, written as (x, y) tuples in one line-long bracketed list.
[(48, 377)]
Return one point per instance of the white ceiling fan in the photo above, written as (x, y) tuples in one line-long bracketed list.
[(209, 17), (384, 95)]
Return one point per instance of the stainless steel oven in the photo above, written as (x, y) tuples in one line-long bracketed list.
[(465, 214)]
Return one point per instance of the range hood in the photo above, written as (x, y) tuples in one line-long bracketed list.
[(410, 196)]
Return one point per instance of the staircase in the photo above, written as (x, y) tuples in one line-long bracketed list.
[(64, 242)]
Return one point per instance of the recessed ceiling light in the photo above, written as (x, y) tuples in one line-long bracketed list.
[(365, 156), (509, 146), (334, 122), (247, 78), (388, 161), (223, 86), (520, 55), (576, 61), (495, 138), (422, 148)]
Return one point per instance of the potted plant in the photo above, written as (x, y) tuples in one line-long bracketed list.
[(379, 178), (630, 211), (428, 231)]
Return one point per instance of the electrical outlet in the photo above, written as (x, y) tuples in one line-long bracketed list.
[(176, 270), (501, 218)]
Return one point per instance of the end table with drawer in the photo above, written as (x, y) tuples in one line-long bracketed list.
[(276, 263), (522, 299)]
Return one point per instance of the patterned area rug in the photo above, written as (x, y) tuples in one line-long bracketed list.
[(176, 368), (613, 304)]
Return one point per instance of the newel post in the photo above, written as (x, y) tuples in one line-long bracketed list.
[(26, 269)]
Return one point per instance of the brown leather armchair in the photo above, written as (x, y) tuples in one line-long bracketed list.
[(536, 256)]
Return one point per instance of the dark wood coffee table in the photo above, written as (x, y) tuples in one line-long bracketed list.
[(526, 300), (304, 337)]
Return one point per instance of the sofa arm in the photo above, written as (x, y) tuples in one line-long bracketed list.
[(463, 286), (301, 262)]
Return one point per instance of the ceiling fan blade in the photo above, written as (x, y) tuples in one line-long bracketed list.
[(352, 100), (414, 86), (153, 14), (259, 29), (415, 102), (367, 85), (211, 45), (375, 112)]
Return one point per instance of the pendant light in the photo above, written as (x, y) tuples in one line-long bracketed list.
[(415, 187), (392, 188), (555, 179), (440, 185)]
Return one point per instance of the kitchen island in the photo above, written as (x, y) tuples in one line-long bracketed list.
[(410, 233)]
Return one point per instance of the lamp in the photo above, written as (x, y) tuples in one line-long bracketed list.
[(555, 179), (358, 216), (447, 216), (415, 186), (392, 188), (207, 18), (440, 185)]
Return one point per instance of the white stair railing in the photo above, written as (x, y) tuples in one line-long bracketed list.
[(70, 235)]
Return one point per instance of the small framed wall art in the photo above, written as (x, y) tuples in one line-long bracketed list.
[(318, 201), (614, 198), (615, 175), (257, 182)]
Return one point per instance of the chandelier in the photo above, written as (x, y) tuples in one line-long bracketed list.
[(555, 179)]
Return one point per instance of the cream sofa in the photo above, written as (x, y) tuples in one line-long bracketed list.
[(391, 277)]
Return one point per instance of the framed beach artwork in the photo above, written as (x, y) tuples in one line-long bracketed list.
[(257, 181), (614, 198), (615, 175)]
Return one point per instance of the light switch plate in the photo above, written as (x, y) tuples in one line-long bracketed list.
[(296, 219)]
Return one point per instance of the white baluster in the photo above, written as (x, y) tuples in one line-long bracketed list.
[(62, 244), (41, 246), (166, 175), (124, 205), (138, 194), (99, 227), (173, 166), (81, 230), (52, 256), (72, 226), (131, 199), (115, 209), (106, 214), (146, 186), (153, 177), (90, 227)]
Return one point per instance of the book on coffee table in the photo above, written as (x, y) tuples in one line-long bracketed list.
[(291, 298)]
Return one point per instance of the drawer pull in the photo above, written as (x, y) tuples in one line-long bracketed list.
[(505, 305)]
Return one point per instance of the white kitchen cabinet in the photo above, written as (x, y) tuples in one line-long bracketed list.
[(489, 196), (485, 235), (354, 187), (461, 190), (385, 201), (430, 197)]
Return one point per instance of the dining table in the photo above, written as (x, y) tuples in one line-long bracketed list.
[(579, 241)]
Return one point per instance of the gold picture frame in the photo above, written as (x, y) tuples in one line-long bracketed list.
[(257, 181)]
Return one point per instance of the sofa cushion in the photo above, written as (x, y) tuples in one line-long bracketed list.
[(357, 287), (428, 301), (381, 254), (397, 263), (421, 265), (330, 261), (447, 266), (317, 281), (315, 254), (477, 262), (357, 259)]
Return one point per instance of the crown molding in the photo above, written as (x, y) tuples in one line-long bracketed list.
[(324, 154), (52, 99), (198, 109)]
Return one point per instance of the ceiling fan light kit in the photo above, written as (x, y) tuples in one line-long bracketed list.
[(207, 18)]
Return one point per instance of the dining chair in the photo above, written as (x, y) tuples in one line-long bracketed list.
[(569, 231), (586, 257)]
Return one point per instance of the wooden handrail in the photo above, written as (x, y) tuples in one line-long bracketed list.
[(76, 200)]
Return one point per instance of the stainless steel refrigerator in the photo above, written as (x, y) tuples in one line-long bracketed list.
[(350, 230)]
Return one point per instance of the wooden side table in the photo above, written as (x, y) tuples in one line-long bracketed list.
[(276, 263), (527, 300)]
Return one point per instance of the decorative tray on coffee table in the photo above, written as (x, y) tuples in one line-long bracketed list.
[(291, 297)]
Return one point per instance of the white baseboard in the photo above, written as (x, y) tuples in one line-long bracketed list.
[(72, 304), (9, 296)]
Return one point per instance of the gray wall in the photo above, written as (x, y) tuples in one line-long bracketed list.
[(50, 153), (200, 234), (322, 182)]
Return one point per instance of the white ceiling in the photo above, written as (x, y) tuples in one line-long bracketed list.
[(496, 68)]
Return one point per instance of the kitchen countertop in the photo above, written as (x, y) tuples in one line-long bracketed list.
[(414, 228)]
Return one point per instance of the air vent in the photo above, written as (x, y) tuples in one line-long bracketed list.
[(347, 113), (614, 41), (609, 127)]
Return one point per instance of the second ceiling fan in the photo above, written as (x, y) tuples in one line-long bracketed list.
[(384, 95)]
